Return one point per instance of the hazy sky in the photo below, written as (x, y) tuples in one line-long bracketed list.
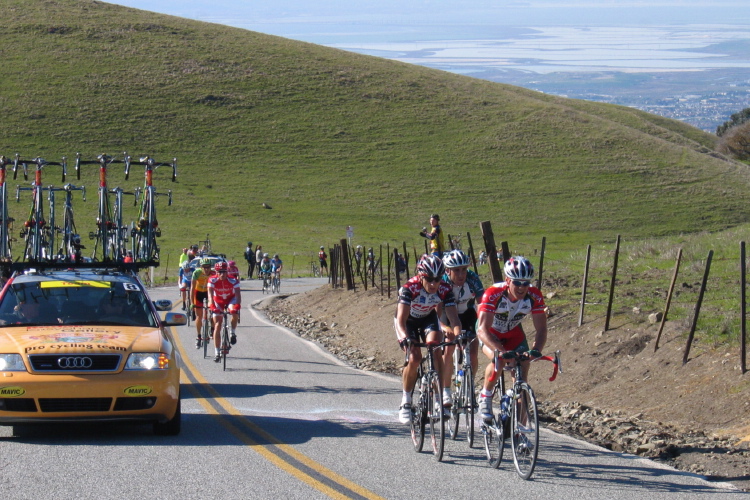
[(257, 13)]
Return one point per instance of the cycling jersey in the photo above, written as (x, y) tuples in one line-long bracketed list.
[(276, 265), (467, 295), (185, 279), (200, 278), (224, 290), (265, 266), (506, 323), (422, 303), (234, 272)]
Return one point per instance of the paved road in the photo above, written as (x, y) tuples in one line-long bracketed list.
[(287, 418)]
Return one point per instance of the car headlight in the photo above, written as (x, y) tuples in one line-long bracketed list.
[(11, 363), (147, 361)]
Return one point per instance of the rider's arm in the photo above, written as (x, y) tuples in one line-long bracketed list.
[(238, 296), (210, 297), (402, 314), (484, 322), (455, 321), (540, 324)]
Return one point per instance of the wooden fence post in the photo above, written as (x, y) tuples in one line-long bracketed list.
[(612, 285), (691, 335), (347, 264), (491, 249), (541, 263), (669, 298), (585, 284), (471, 253)]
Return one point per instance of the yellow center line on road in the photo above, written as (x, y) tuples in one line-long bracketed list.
[(283, 456)]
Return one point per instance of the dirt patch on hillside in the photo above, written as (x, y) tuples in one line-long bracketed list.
[(614, 391)]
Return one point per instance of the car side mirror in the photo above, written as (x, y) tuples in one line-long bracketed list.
[(175, 319), (163, 305)]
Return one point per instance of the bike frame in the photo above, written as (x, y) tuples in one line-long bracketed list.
[(5, 221), (147, 228), (36, 248)]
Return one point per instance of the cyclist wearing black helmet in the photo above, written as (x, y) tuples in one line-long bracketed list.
[(418, 301)]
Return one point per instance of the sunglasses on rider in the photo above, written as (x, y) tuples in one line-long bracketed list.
[(521, 282), (431, 280)]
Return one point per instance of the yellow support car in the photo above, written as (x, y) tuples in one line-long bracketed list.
[(87, 345)]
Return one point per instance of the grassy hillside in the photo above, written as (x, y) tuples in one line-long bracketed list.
[(330, 138)]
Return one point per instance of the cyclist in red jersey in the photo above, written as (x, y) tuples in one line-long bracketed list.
[(233, 271), (223, 292), (504, 306), (418, 303)]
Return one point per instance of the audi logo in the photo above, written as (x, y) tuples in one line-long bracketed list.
[(75, 362)]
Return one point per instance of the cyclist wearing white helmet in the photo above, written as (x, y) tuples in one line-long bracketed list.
[(467, 289), (417, 319), (503, 307), (185, 278)]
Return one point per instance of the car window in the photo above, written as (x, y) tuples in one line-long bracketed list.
[(75, 302)]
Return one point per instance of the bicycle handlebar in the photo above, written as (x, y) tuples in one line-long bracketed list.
[(150, 165), (524, 356)]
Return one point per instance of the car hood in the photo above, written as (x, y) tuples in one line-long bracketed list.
[(77, 339)]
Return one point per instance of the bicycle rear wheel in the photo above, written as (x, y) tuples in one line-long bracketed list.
[(224, 343), (524, 436), (458, 403), (493, 442), (435, 413), (468, 402), (206, 327), (418, 418)]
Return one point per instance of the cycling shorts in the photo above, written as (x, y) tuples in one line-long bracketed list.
[(418, 328), (200, 297), (469, 320), (514, 340)]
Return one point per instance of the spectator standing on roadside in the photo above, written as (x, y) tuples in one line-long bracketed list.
[(250, 258), (435, 235), (322, 259), (258, 258), (358, 258)]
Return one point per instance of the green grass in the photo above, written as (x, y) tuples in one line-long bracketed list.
[(330, 139)]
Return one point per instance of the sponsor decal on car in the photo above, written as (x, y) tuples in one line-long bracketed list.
[(138, 390), (11, 392)]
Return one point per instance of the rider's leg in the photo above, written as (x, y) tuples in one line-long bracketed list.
[(218, 320)]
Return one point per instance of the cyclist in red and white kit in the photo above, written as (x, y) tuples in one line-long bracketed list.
[(416, 314), (503, 307), (223, 293)]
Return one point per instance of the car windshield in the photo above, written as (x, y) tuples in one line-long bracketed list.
[(79, 302)]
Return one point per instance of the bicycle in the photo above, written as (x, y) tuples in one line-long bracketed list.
[(225, 341), (464, 395), (70, 246), (275, 283), (517, 415), (429, 401), (147, 228), (36, 231), (6, 222), (266, 281)]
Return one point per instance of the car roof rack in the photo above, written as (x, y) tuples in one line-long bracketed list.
[(70, 266)]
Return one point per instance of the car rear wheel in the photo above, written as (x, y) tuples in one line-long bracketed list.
[(170, 427)]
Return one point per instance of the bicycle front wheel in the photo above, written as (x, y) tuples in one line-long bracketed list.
[(524, 436), (468, 402), (418, 418), (435, 412)]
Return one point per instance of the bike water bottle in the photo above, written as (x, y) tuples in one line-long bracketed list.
[(459, 378)]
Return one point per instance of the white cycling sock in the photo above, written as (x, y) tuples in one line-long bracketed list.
[(406, 398), (485, 393)]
